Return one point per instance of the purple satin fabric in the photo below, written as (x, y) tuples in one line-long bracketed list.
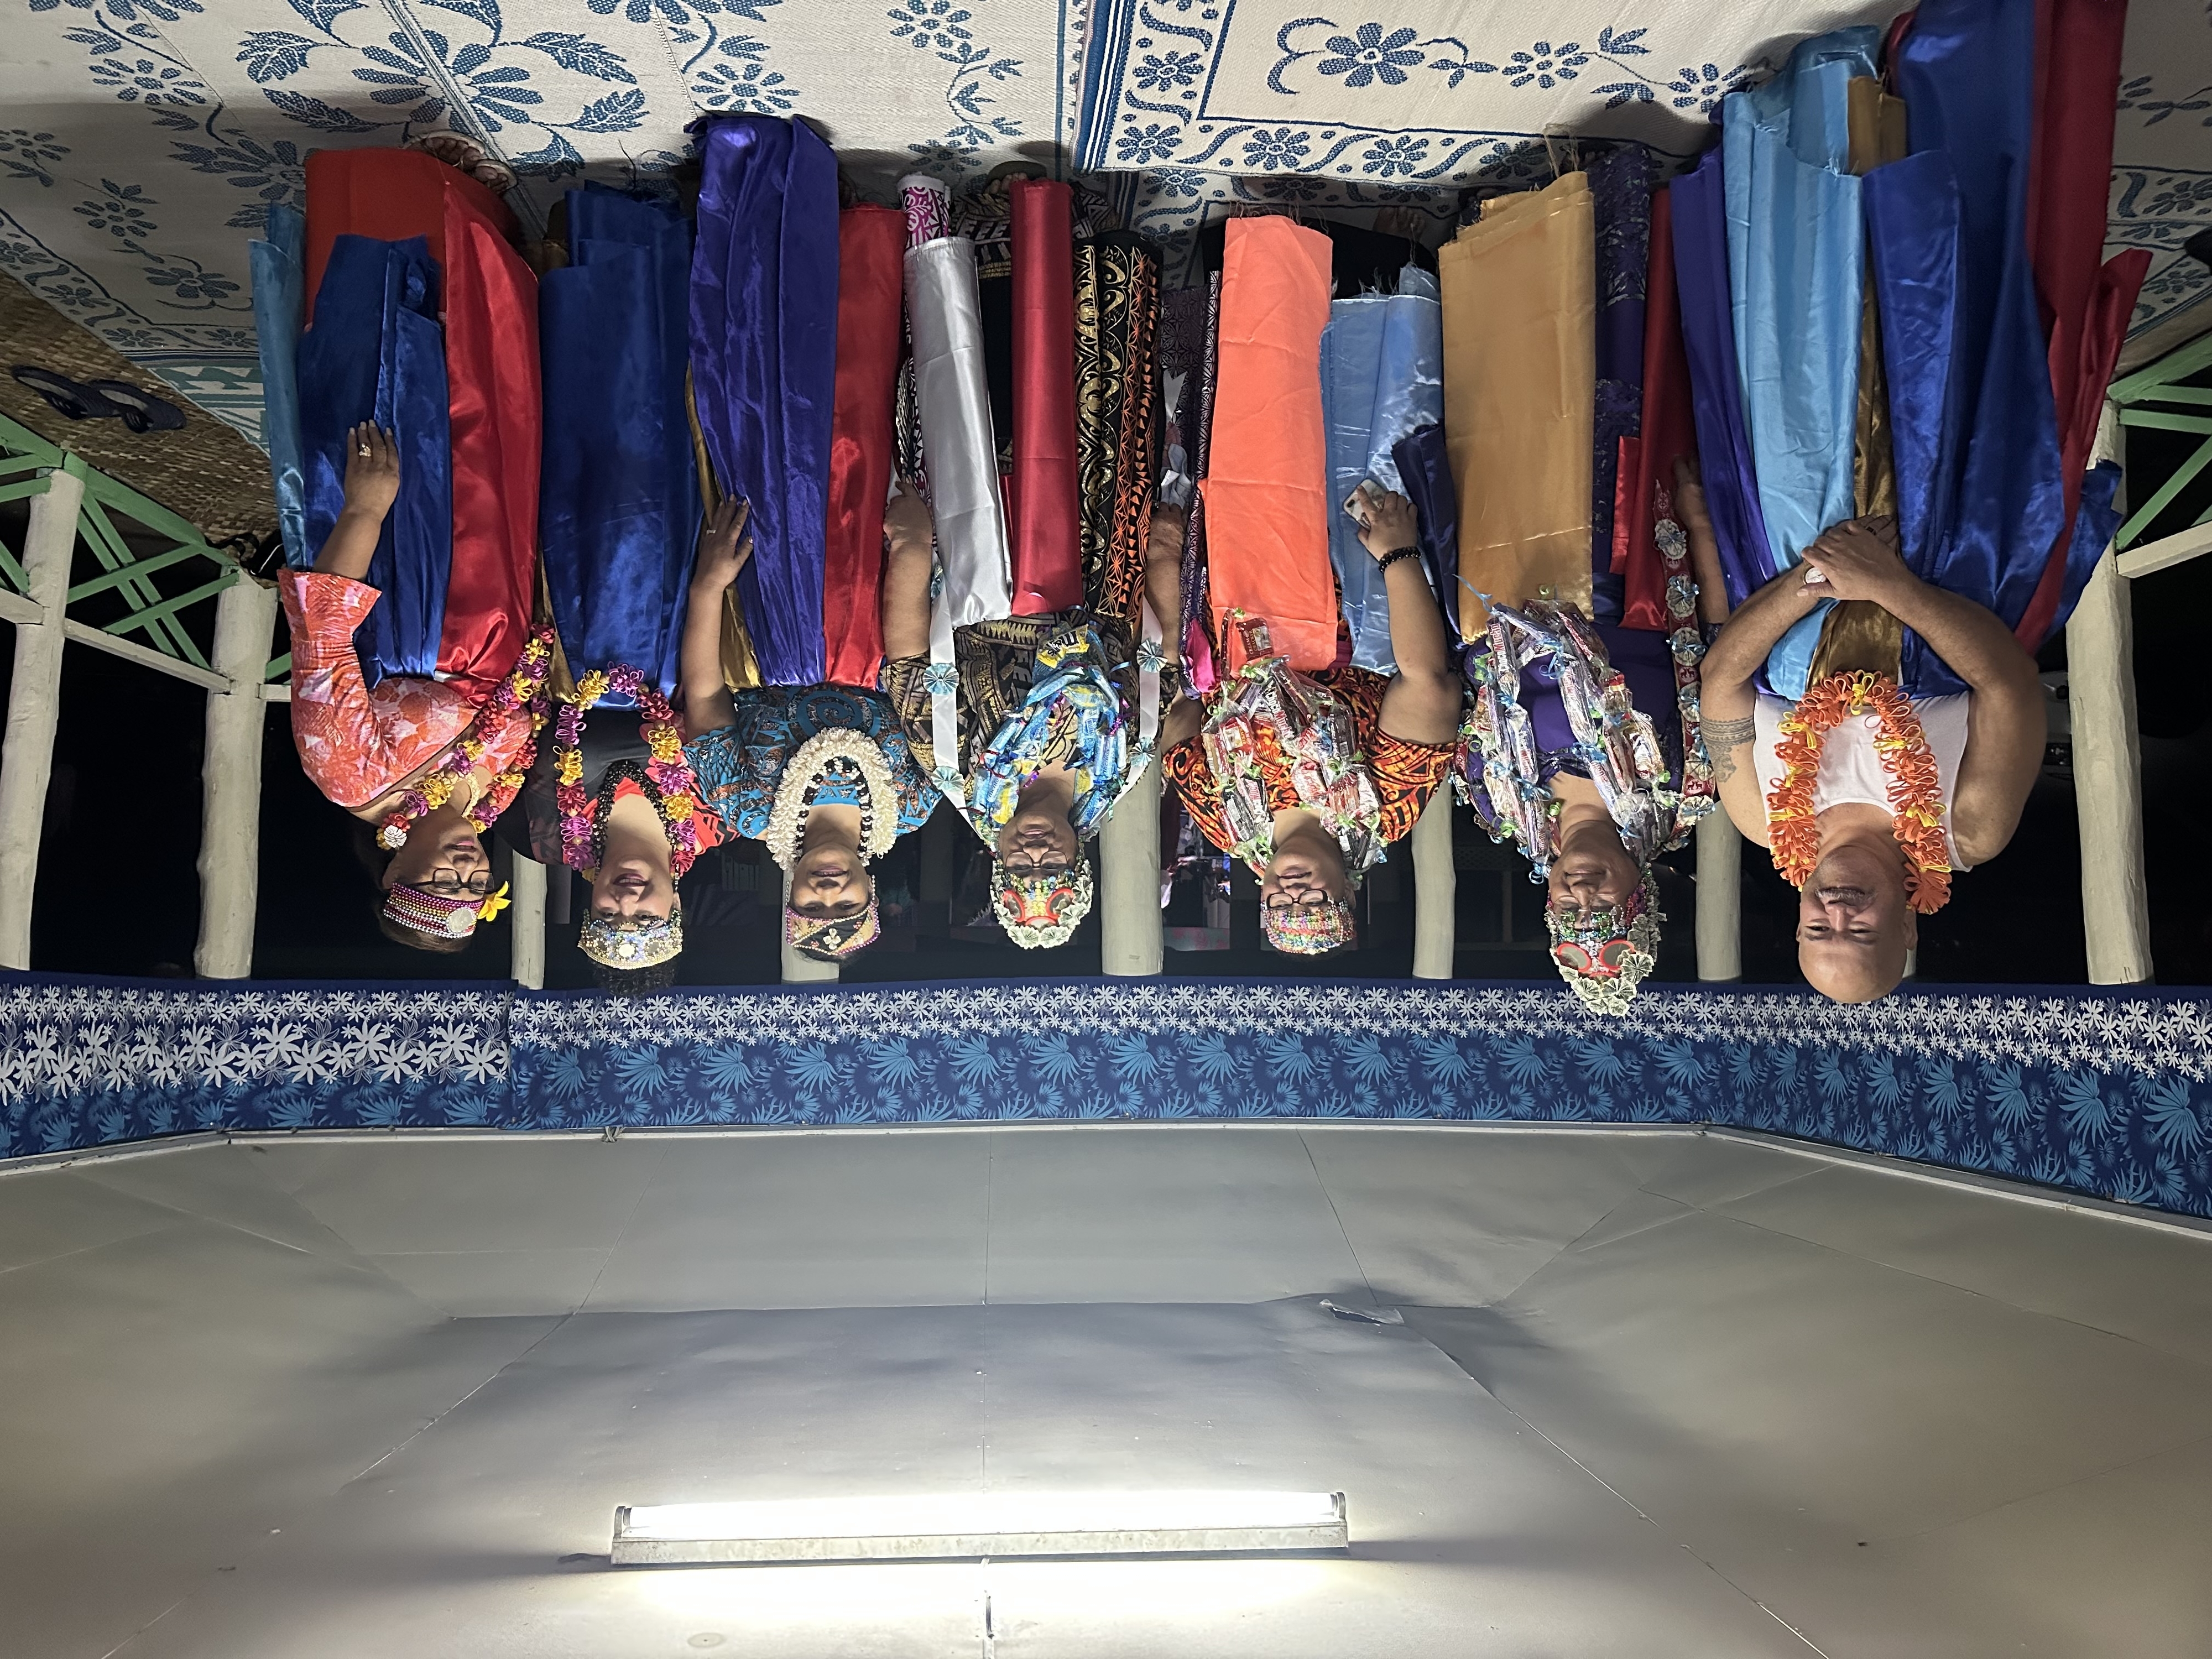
[(765, 367), (1962, 341), (1701, 271), (1644, 661), (1424, 468)]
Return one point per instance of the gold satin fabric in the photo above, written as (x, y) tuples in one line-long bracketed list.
[(1859, 634), (740, 668), (1519, 320)]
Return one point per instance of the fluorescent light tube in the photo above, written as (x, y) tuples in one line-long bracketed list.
[(970, 1526)]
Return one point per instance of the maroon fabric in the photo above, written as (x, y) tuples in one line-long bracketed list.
[(1041, 493), (2085, 307), (871, 286), (1670, 434)]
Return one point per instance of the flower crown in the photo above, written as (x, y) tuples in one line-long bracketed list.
[(1310, 930), (1039, 912), (606, 941), (1605, 957)]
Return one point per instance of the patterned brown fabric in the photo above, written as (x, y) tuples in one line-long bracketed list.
[(1406, 773), (1117, 297)]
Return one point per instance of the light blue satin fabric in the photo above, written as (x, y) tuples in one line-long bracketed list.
[(1382, 380), (280, 309), (1796, 256)]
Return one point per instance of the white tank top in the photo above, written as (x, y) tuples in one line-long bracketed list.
[(1850, 769)]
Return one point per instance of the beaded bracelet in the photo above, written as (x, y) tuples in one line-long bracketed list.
[(1396, 554)]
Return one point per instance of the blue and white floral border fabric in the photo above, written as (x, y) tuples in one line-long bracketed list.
[(145, 139), (1211, 98), (2108, 1095)]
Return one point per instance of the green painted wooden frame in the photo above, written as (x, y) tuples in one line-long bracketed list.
[(2189, 409), (27, 461)]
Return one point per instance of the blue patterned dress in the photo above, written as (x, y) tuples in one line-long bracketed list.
[(739, 766)]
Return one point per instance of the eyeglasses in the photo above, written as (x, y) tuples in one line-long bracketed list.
[(1310, 899), (1045, 864), (451, 883)]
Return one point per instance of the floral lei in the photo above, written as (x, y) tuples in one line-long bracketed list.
[(669, 771), (1916, 788), (523, 688)]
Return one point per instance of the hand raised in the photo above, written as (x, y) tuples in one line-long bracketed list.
[(906, 520), (724, 546), (371, 473), (1387, 521)]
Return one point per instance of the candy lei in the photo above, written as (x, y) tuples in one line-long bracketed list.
[(668, 770), (1915, 788), (523, 688)]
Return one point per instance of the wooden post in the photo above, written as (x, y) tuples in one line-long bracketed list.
[(2101, 695), (1720, 898), (34, 708), (526, 924), (1131, 941), (800, 969), (1435, 887), (230, 782)]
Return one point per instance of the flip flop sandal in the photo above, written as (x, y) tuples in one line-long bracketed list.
[(141, 411), (67, 397)]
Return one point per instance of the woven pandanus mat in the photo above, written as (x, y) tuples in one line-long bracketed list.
[(203, 472)]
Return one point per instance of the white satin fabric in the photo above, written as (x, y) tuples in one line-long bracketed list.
[(975, 576)]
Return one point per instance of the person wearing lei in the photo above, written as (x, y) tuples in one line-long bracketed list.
[(1870, 797), (1592, 766), (822, 774), (431, 762), (1045, 706), (1307, 778)]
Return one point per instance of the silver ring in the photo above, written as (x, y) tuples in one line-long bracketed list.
[(363, 452)]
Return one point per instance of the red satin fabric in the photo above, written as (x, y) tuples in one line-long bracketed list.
[(2085, 307), (496, 408), (1043, 494), (1669, 433), (1266, 488), (871, 278)]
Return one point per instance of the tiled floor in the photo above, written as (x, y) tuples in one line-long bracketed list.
[(1658, 1395)]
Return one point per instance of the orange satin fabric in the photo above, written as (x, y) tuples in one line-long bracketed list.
[(1266, 489), (1520, 303), (496, 401)]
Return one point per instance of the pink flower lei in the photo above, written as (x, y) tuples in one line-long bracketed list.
[(668, 770)]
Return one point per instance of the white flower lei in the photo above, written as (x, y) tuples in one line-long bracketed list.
[(786, 821)]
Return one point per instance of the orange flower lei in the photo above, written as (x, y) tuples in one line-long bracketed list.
[(1916, 789)]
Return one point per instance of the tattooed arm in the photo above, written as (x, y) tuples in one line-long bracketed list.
[(1728, 693)]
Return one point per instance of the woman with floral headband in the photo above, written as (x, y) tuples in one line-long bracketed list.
[(1581, 745), (822, 774), (431, 762), (1043, 709), (620, 508), (1308, 778)]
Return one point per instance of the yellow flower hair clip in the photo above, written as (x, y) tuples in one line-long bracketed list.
[(493, 904)]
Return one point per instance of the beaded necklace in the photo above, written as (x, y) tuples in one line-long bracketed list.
[(523, 688)]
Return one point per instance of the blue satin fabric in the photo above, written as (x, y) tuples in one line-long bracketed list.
[(376, 353), (764, 366), (619, 503), (1382, 377), (1796, 257), (1724, 455), (280, 305), (1424, 475), (1969, 379)]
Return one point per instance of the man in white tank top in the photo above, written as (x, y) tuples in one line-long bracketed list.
[(1856, 916)]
